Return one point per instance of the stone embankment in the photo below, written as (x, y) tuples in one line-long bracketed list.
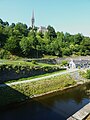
[(81, 114), (14, 72)]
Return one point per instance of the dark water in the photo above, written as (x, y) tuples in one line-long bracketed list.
[(57, 106)]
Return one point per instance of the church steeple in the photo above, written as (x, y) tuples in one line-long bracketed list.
[(33, 20)]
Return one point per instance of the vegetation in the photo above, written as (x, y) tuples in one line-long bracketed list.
[(88, 74), (64, 63), (20, 92), (14, 70), (43, 86), (17, 39), (85, 74)]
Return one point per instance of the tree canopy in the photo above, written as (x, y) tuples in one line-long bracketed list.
[(20, 40)]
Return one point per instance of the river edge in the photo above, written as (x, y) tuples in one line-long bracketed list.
[(39, 96)]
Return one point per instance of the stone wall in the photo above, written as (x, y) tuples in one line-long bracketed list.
[(8, 72)]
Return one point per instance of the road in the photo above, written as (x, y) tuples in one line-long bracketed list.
[(36, 79)]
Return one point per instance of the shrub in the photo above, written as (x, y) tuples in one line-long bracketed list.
[(34, 62), (88, 74), (4, 54), (64, 63)]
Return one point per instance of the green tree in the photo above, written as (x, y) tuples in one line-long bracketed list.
[(26, 45), (78, 38), (3, 36), (33, 38), (66, 51), (22, 28), (51, 32), (85, 46), (12, 45)]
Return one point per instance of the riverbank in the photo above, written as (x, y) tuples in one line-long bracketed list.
[(15, 104), (21, 92), (25, 99)]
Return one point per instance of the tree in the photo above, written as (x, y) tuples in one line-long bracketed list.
[(12, 45), (66, 51), (51, 32), (22, 28), (41, 43), (3, 36), (33, 38), (12, 25), (78, 38), (40, 34), (67, 37), (1, 22), (56, 48), (26, 45), (85, 46), (6, 23), (29, 45), (60, 36), (16, 37)]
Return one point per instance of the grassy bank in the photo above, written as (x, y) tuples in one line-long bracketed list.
[(20, 92)]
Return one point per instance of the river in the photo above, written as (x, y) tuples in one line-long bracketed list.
[(56, 106)]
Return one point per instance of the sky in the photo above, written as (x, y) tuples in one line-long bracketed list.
[(72, 16)]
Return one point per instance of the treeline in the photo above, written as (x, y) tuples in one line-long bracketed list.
[(20, 40)]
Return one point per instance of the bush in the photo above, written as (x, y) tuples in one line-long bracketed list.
[(4, 54), (34, 62), (88, 74), (64, 63)]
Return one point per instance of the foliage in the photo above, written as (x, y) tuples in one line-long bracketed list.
[(85, 74), (88, 74), (20, 40), (64, 62), (12, 45), (4, 54), (34, 62)]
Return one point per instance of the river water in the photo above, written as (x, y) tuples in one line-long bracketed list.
[(56, 106)]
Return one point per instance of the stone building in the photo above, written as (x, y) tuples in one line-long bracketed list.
[(39, 29), (42, 29)]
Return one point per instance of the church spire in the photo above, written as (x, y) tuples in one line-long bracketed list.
[(33, 20)]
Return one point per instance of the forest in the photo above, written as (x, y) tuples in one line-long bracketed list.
[(23, 41)]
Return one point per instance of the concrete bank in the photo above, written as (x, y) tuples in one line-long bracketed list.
[(81, 114)]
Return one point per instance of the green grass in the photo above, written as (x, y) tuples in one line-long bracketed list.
[(20, 62), (17, 93)]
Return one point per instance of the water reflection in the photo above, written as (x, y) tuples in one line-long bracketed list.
[(57, 106)]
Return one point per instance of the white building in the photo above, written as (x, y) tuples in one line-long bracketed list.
[(42, 29)]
